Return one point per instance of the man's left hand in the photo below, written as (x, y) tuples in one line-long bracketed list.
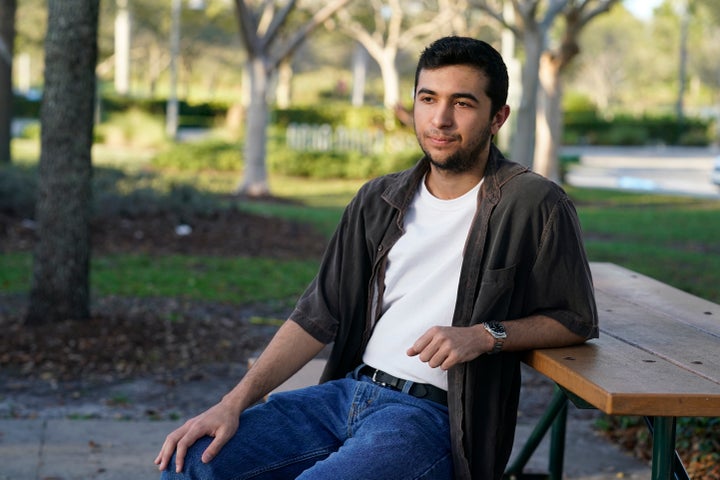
[(445, 347)]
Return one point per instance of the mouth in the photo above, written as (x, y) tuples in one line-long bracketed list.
[(440, 140)]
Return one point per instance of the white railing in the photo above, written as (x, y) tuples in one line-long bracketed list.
[(323, 138)]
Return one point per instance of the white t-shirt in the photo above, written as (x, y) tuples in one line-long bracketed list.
[(421, 283)]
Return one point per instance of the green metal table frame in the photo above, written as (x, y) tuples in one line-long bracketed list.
[(666, 464)]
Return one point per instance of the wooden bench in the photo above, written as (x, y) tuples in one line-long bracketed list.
[(657, 357)]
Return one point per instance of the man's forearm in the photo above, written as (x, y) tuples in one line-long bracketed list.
[(538, 331), (288, 351)]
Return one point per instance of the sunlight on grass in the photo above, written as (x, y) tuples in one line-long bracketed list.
[(236, 280), (25, 151), (671, 238), (695, 272), (316, 193)]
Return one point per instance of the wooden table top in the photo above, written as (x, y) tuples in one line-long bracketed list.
[(658, 353)]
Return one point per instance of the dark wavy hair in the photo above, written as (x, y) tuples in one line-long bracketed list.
[(474, 53)]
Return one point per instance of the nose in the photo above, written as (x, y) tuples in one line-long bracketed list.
[(443, 115)]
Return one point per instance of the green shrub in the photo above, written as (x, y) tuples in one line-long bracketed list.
[(333, 114), (350, 164), (133, 128), (585, 127), (284, 117), (31, 131), (204, 155), (203, 114), (23, 107), (18, 185)]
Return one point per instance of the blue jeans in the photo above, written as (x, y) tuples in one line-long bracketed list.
[(340, 430)]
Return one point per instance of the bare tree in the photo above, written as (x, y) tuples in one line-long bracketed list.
[(531, 24), (7, 40), (395, 25), (553, 62), (60, 283), (268, 42)]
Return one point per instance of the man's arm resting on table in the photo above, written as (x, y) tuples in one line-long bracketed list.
[(447, 346), (290, 349)]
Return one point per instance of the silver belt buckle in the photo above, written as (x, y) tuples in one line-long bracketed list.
[(376, 381)]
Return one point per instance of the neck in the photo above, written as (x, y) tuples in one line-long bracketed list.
[(448, 185)]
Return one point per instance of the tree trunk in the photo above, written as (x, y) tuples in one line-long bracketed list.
[(60, 283), (359, 69), (7, 40), (391, 79), (255, 179), (122, 48), (283, 92), (523, 143), (549, 120)]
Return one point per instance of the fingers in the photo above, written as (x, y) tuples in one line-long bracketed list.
[(215, 446), (434, 348), (445, 347), (177, 442), (217, 422), (167, 450)]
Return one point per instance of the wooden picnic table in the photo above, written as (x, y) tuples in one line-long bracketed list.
[(658, 356)]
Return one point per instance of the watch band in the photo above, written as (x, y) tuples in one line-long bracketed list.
[(497, 330)]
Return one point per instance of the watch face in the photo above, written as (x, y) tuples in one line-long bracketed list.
[(496, 329)]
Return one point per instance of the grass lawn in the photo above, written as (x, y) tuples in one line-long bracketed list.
[(671, 238)]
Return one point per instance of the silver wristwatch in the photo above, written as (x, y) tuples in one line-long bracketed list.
[(498, 332)]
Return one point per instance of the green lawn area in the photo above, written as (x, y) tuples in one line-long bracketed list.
[(671, 238)]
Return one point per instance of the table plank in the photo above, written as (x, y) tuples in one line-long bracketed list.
[(619, 379), (645, 291), (657, 354), (690, 348)]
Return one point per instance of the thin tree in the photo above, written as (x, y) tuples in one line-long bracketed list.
[(553, 63), (60, 284), (531, 21), (268, 42), (392, 30), (531, 24), (7, 40)]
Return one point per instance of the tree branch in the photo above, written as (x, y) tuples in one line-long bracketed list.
[(317, 19), (276, 22), (248, 27)]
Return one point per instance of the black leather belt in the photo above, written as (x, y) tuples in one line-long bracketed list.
[(418, 390)]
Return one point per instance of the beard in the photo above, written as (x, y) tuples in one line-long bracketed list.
[(462, 160)]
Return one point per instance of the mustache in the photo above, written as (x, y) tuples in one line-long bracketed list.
[(441, 135)]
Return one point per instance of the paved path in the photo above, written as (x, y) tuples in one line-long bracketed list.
[(674, 170), (62, 449)]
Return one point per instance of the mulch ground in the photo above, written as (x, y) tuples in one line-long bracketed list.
[(127, 337)]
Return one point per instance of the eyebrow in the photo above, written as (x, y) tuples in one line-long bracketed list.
[(454, 96)]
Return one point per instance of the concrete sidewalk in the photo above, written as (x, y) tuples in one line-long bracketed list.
[(58, 449), (63, 449)]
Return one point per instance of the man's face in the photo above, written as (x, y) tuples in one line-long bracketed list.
[(452, 117)]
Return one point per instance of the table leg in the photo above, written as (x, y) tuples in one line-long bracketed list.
[(557, 444), (663, 448), (558, 406)]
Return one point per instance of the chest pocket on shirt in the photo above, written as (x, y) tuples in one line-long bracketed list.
[(495, 296)]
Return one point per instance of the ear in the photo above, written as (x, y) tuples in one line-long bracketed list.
[(500, 118)]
